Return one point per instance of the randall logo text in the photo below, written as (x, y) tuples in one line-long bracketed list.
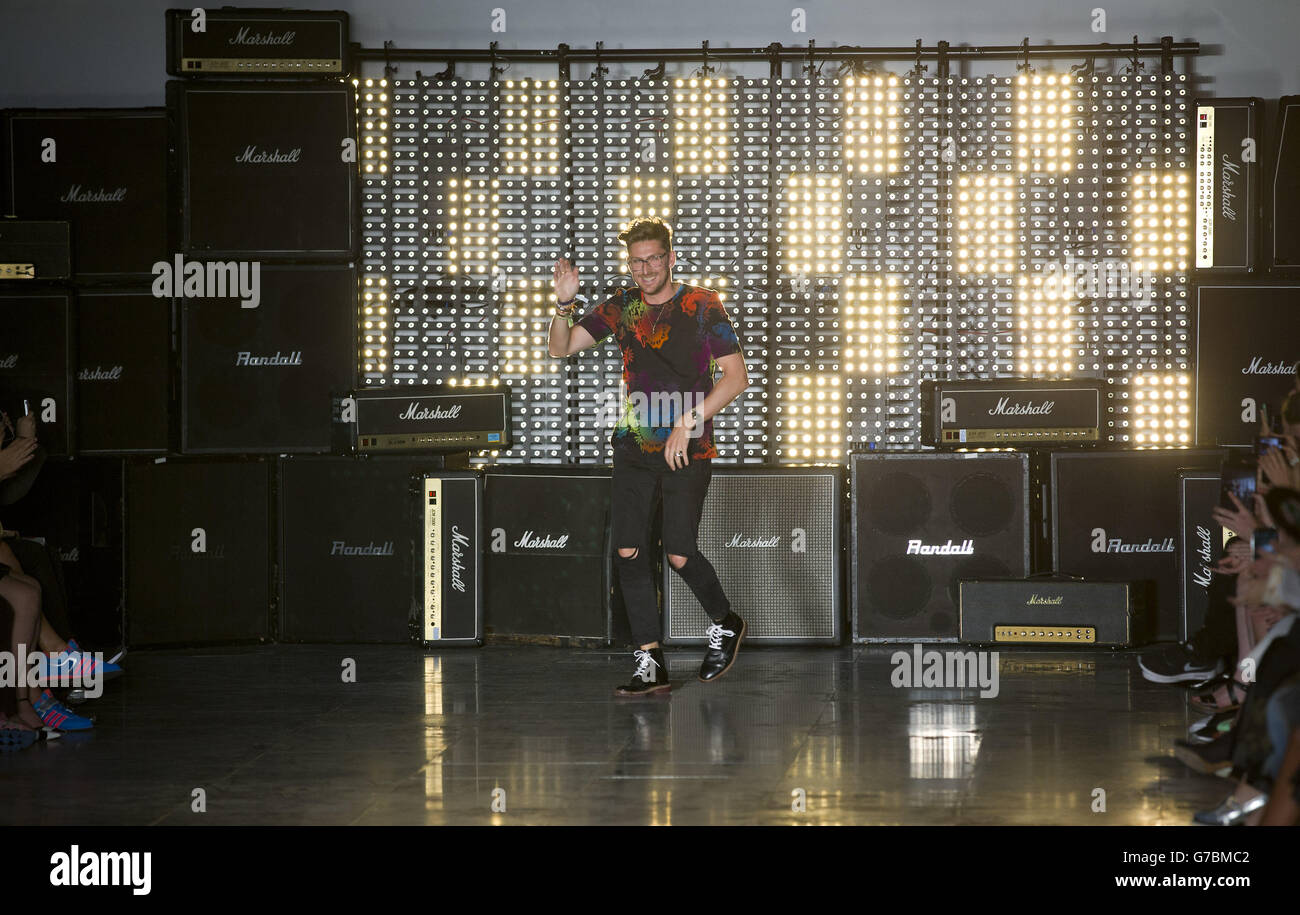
[(1103, 544), (917, 548)]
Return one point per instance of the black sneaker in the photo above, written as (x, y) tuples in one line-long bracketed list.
[(651, 675), (724, 643), (1177, 662)]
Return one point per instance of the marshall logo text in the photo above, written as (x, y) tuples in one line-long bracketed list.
[(414, 411), (530, 541), (458, 543), (99, 373), (244, 36), (1028, 408), (1259, 367), (76, 195), (1205, 553), (738, 540), (1036, 601), (253, 156)]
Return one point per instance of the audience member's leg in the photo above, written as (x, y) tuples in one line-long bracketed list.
[(48, 639), (37, 562), (8, 694), (25, 601), (1283, 808), (1217, 636)]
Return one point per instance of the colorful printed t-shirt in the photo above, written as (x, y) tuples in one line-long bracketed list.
[(669, 360)]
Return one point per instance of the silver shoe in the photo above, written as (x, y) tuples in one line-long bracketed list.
[(1231, 812)]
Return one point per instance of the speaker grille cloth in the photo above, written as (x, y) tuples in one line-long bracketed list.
[(781, 594)]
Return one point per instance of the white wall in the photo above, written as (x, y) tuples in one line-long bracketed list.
[(61, 53)]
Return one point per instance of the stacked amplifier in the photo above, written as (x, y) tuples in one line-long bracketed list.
[(86, 345), (90, 355), (264, 226), (1247, 187)]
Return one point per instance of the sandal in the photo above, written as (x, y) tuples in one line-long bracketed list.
[(1208, 703), (12, 739)]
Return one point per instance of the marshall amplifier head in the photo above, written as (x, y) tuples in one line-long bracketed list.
[(257, 42), (437, 418), (34, 250), (1011, 412), (1077, 614), (1227, 184)]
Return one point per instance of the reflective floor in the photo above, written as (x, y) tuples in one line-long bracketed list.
[(533, 735)]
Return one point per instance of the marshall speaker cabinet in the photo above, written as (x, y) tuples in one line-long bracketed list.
[(102, 170), (774, 536), (921, 523), (547, 557), (124, 373), (1247, 344), (37, 353), (261, 170), (448, 580), (1115, 517)]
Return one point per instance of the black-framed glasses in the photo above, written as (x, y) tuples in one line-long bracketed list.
[(644, 263)]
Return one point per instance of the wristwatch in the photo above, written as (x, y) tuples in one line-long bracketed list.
[(695, 415)]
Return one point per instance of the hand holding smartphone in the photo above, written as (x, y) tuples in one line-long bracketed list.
[(1263, 541)]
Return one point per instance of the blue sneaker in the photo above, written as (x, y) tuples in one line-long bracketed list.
[(63, 668), (110, 669), (59, 716)]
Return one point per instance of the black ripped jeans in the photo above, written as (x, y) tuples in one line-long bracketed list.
[(637, 485)]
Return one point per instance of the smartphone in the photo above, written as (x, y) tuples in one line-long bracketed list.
[(1263, 541), (1239, 481), (1265, 442)]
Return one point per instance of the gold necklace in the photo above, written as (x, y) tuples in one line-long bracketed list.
[(661, 312)]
